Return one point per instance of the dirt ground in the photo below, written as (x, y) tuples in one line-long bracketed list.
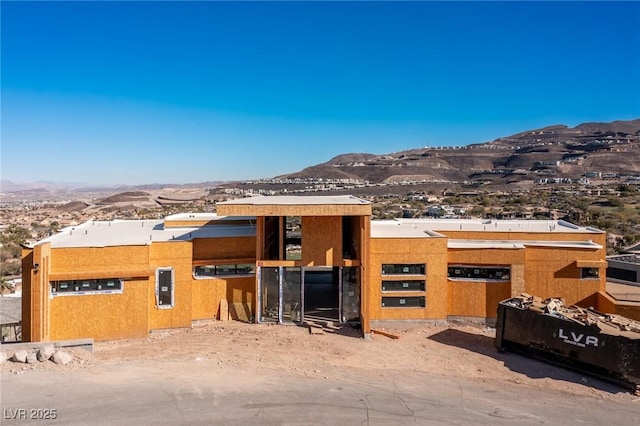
[(448, 351)]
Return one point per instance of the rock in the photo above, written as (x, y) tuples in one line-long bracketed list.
[(20, 356), (32, 358), (46, 352), (3, 357), (60, 357)]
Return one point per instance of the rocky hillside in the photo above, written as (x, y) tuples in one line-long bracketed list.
[(553, 151)]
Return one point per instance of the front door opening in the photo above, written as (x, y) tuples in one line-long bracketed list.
[(321, 294), (295, 295)]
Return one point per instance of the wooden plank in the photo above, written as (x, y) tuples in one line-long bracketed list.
[(385, 333), (314, 329), (224, 310)]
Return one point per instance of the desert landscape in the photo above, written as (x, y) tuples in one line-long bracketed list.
[(232, 372)]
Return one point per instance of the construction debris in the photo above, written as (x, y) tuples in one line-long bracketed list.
[(583, 339), (385, 333), (555, 307), (315, 329)]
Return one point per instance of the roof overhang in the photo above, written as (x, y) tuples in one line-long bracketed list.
[(520, 244), (591, 263), (484, 244), (345, 205)]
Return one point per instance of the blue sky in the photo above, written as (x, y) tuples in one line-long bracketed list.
[(163, 92)]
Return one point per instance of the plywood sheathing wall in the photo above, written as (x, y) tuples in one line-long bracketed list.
[(429, 251)]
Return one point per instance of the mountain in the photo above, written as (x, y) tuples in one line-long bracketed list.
[(149, 195), (556, 151)]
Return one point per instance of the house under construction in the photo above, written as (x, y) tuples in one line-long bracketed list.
[(290, 259)]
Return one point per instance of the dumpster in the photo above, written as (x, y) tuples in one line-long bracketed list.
[(595, 343)]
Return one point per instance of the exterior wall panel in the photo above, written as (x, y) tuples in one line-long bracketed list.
[(553, 272), (477, 298), (176, 255), (206, 296), (606, 303), (238, 291), (79, 260), (241, 294), (102, 316), (224, 248), (429, 251), (321, 241)]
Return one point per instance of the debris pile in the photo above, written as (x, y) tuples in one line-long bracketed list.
[(601, 344), (607, 323)]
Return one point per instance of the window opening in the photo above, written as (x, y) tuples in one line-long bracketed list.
[(164, 288)]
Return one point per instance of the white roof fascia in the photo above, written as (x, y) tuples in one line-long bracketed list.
[(293, 200)]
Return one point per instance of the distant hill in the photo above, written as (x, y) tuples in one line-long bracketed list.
[(552, 151), (7, 186), (555, 151)]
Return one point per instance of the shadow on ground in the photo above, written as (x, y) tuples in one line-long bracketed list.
[(530, 367)]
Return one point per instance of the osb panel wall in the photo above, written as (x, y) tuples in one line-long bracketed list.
[(321, 241), (365, 277), (27, 282), (176, 254), (241, 294), (477, 298), (35, 297), (518, 282), (489, 257), (207, 294), (496, 292), (552, 272), (205, 297), (513, 258), (609, 305), (429, 251), (260, 230), (99, 259), (224, 248), (102, 316)]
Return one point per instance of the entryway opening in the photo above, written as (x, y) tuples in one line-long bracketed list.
[(321, 294), (299, 294)]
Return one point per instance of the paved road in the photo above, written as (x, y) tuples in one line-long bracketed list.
[(199, 393)]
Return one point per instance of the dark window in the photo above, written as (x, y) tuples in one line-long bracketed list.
[(164, 287), (622, 274), (589, 273), (107, 285), (408, 285), (403, 302), (224, 270), (349, 243), (402, 269), (272, 244), (480, 272)]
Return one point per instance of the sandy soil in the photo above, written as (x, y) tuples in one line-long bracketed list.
[(447, 351)]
